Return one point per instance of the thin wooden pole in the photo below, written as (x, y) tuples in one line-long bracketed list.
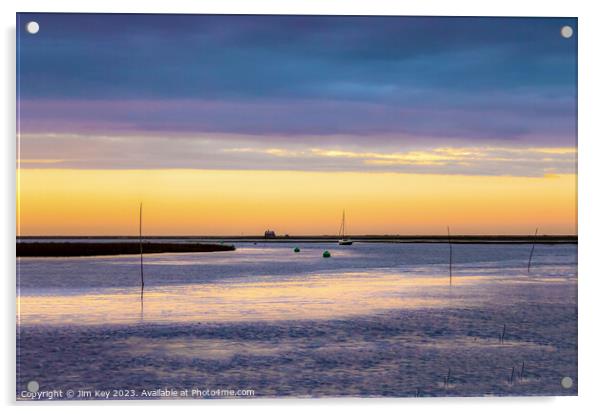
[(522, 372), (140, 242), (532, 249), (450, 255), (446, 379)]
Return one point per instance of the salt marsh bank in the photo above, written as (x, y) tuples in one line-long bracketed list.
[(375, 319)]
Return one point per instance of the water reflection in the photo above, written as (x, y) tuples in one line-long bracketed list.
[(316, 297)]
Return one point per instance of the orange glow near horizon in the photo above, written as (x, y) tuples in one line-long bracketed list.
[(229, 202)]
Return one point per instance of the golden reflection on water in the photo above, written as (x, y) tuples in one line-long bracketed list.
[(316, 297)]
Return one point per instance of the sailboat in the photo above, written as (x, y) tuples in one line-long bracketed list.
[(343, 241)]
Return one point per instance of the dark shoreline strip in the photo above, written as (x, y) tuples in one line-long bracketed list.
[(65, 249)]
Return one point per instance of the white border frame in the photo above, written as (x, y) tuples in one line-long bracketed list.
[(590, 200)]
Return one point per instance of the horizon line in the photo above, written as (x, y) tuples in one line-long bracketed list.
[(304, 236)]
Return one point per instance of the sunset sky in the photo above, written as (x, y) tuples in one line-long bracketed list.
[(229, 125)]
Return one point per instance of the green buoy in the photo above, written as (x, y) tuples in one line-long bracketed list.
[(326, 253), (296, 250)]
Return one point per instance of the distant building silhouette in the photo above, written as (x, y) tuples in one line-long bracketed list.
[(269, 234)]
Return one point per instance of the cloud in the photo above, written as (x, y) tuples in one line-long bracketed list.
[(505, 78), (243, 153), (222, 57), (256, 92), (549, 120)]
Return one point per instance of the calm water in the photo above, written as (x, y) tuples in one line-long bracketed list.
[(376, 319)]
